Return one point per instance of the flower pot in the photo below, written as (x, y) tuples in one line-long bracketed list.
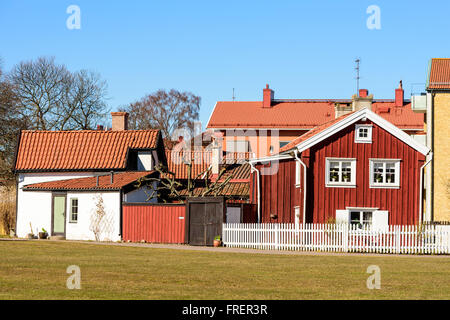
[(43, 235), (30, 236), (217, 243)]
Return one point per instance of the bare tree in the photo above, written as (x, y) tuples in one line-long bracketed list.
[(10, 125), (167, 187), (85, 102), (40, 87), (164, 110), (51, 97)]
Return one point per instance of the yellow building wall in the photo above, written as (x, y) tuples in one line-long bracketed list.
[(441, 150)]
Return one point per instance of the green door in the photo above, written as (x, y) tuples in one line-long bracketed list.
[(59, 214)]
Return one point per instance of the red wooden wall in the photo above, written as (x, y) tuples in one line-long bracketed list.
[(278, 192), (279, 195), (156, 223)]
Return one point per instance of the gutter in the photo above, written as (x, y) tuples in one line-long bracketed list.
[(259, 191), (421, 187), (304, 184)]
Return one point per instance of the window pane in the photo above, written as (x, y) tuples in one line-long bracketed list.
[(74, 210), (334, 171), (378, 172), (390, 172), (355, 217), (363, 132), (346, 172), (367, 218)]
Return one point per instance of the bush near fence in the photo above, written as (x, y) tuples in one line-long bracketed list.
[(7, 208)]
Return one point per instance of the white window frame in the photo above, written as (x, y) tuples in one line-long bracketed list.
[(367, 139), (71, 220), (341, 184), (384, 184), (380, 218)]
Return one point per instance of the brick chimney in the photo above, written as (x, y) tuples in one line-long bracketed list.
[(362, 100), (363, 93), (119, 121), (268, 95), (399, 95)]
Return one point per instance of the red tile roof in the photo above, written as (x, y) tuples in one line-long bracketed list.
[(301, 114), (120, 180), (80, 150), (201, 161), (312, 132), (439, 74)]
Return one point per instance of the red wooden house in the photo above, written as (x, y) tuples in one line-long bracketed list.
[(358, 168)]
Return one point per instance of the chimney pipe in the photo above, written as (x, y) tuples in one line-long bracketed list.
[(119, 121), (112, 177), (399, 95), (97, 181), (216, 158), (268, 96)]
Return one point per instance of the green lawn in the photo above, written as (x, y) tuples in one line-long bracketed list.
[(37, 270)]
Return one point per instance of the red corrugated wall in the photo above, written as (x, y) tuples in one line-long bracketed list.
[(153, 223), (279, 195)]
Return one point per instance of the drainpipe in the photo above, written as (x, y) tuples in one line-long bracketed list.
[(304, 183), (421, 187), (258, 193)]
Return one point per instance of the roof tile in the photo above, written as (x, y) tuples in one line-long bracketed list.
[(80, 150)]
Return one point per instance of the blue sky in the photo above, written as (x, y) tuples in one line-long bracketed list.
[(303, 49)]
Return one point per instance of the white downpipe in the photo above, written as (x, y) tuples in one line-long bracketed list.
[(421, 187), (304, 184), (258, 192)]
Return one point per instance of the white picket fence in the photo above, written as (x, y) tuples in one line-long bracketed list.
[(426, 239)]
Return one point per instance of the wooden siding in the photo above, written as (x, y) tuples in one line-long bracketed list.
[(278, 192), (279, 195), (155, 223)]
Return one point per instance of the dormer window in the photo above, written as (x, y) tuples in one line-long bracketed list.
[(363, 133), (144, 161)]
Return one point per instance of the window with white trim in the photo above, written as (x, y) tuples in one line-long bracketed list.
[(384, 173), (340, 172), (363, 133), (73, 210)]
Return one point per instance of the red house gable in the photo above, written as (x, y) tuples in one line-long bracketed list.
[(359, 167)]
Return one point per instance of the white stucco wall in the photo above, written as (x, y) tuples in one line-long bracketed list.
[(110, 224), (35, 206)]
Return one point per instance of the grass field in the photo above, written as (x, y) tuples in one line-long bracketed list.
[(37, 270)]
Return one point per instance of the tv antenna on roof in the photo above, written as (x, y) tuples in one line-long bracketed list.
[(233, 95), (358, 61)]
